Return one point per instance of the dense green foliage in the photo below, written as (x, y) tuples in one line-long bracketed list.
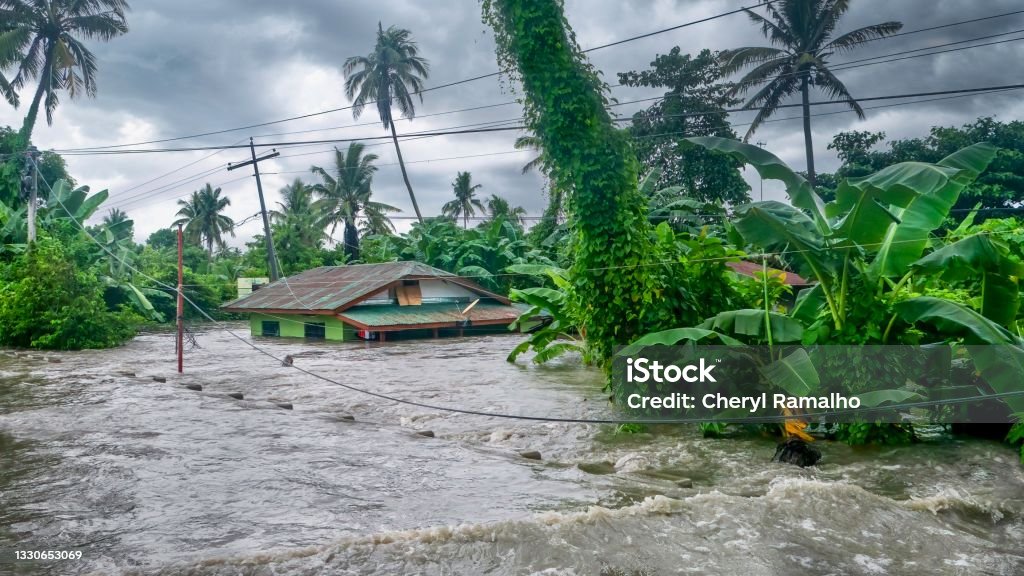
[(877, 282), (565, 109), (47, 300), (998, 192), (694, 105)]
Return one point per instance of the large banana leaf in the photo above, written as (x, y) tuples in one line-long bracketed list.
[(750, 322), (1003, 368), (809, 302), (63, 202), (777, 226), (862, 213), (997, 353), (932, 189), (770, 167), (677, 335), (879, 397), (983, 258), (967, 256), (954, 320), (795, 374), (13, 224)]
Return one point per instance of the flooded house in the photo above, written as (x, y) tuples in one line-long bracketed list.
[(374, 302)]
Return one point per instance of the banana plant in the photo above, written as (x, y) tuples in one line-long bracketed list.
[(559, 332), (12, 229), (874, 229), (870, 240), (63, 203), (983, 260), (120, 260)]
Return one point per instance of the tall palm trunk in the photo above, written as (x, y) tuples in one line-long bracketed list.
[(808, 144), (351, 236), (33, 110), (465, 219), (405, 176)]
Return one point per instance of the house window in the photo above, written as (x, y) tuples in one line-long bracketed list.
[(315, 331), (271, 328)]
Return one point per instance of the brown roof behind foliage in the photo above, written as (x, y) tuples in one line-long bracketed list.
[(752, 269)]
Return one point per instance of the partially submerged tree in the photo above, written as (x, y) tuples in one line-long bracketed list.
[(565, 108)]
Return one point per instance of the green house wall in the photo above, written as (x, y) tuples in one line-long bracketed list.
[(293, 326)]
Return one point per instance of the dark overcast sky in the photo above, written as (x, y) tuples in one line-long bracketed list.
[(193, 66)]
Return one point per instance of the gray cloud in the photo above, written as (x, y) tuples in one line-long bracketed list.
[(192, 66)]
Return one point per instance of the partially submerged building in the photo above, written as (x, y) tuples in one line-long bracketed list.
[(374, 301)]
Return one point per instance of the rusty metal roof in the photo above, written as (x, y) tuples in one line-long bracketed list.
[(380, 316), (330, 289)]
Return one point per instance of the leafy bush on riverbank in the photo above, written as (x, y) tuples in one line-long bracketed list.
[(48, 301)]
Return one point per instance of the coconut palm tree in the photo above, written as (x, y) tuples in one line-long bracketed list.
[(202, 218), (531, 142), (465, 203), (801, 32), (119, 224), (389, 76), (498, 207), (44, 40), (299, 214), (345, 196)]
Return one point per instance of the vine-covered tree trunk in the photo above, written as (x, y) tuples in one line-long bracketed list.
[(565, 109)]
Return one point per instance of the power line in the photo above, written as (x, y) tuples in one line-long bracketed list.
[(192, 178), (841, 66), (439, 87), (778, 418), (928, 29), (516, 128), (122, 204)]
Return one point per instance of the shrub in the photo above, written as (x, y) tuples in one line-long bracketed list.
[(47, 301)]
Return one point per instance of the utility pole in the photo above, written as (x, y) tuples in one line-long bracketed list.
[(181, 302), (761, 145), (271, 255), (32, 164)]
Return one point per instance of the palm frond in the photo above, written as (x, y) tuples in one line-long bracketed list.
[(851, 40)]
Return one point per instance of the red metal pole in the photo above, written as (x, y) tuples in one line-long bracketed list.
[(181, 303)]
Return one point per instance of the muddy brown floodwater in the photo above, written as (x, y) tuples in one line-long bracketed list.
[(148, 477)]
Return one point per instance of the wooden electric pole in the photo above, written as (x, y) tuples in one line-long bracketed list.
[(271, 255)]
